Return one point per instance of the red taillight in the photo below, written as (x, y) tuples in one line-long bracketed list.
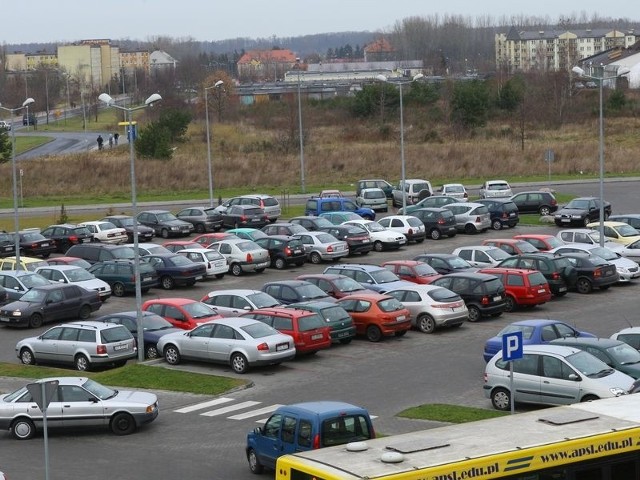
[(316, 441), (329, 248), (263, 347), (410, 232), (287, 251), (249, 258), (597, 272), (441, 221), (243, 218), (73, 239), (485, 300), (505, 215), (555, 276), (554, 202), (101, 349)]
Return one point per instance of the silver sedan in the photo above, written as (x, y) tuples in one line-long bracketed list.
[(76, 402), (239, 342), (322, 246)]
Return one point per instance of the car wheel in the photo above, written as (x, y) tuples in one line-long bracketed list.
[(254, 464), (236, 270), (545, 210), (435, 234), (123, 424), (426, 323), (171, 355), (510, 304), (586, 221), (26, 357), (469, 229), (118, 289), (560, 294), (81, 363), (501, 399), (23, 429), (259, 270), (373, 333), (589, 398), (35, 321), (315, 258), (164, 233), (151, 352), (366, 252), (474, 313), (200, 228), (401, 333), (219, 275), (85, 312), (377, 246), (279, 263), (167, 283), (583, 285), (239, 363), (496, 225)]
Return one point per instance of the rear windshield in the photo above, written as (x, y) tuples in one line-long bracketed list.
[(481, 210), (390, 305), (262, 300), (115, 334), (536, 278), (310, 322), (415, 222), (444, 295), (493, 285), (345, 429), (81, 231), (498, 186), (374, 194), (253, 211), (420, 186), (248, 246), (269, 202), (35, 280), (335, 314), (123, 252), (259, 330)]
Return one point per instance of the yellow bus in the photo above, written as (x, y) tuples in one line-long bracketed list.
[(598, 440)]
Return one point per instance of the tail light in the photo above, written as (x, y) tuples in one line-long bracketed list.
[(287, 251), (505, 215), (243, 218), (101, 349), (485, 300), (441, 221), (249, 258), (486, 378), (263, 347), (316, 441), (73, 239), (410, 232), (329, 249), (555, 276), (597, 272), (554, 202)]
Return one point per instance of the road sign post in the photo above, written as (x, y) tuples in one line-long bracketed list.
[(42, 394), (512, 350)]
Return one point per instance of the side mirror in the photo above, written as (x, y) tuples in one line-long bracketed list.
[(574, 377), (258, 431)]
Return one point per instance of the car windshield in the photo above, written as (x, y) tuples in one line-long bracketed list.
[(199, 310), (353, 230), (166, 217), (269, 202), (309, 292), (126, 253), (536, 278), (326, 238), (374, 194), (498, 186), (125, 222), (375, 227), (32, 237), (384, 276), (578, 204), (152, 323), (81, 231), (79, 275), (627, 231), (604, 253), (415, 222), (526, 247), (347, 284), (444, 295), (34, 295), (259, 330), (35, 280), (589, 365), (181, 261), (262, 300), (335, 313), (454, 189), (497, 254), (425, 270), (115, 334), (323, 222), (295, 228), (419, 186), (248, 246), (212, 255), (624, 353), (458, 263), (527, 330), (211, 212), (106, 226), (99, 390), (554, 242), (310, 322), (390, 305)]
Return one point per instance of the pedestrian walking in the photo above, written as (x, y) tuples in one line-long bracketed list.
[(110, 140), (100, 140), (116, 136)]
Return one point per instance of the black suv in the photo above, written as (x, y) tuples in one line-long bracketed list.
[(503, 212), (581, 211), (165, 223), (483, 294), (67, 235), (99, 252), (120, 275), (283, 250), (592, 271), (438, 222), (7, 244), (145, 234), (557, 269), (539, 201)]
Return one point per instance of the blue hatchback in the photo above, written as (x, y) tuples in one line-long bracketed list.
[(533, 332)]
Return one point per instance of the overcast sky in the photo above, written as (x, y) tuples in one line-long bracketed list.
[(27, 21)]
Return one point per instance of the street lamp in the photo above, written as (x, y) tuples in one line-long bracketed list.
[(136, 252), (383, 78), (580, 72), (302, 187), (218, 84), (16, 220)]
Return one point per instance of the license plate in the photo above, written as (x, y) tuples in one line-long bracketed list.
[(401, 318), (120, 347), (317, 336), (297, 251), (343, 334), (199, 277), (86, 240), (146, 279), (542, 290), (567, 220), (562, 289), (255, 220), (497, 298), (4, 319), (45, 245), (282, 346)]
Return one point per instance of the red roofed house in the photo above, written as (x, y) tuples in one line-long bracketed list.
[(380, 50), (265, 65)]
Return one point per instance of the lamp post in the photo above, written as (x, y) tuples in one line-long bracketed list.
[(136, 251), (302, 187), (16, 219), (600, 79), (382, 78), (218, 84)]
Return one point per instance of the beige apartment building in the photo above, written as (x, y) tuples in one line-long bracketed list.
[(553, 50)]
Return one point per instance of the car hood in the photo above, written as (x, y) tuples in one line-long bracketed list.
[(385, 287), (130, 396), (175, 223), (155, 335), (571, 211), (19, 305)]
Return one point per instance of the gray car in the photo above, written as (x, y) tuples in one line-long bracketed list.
[(203, 219), (322, 246), (242, 255), (235, 302), (552, 375), (80, 402), (471, 217), (81, 344), (19, 282)]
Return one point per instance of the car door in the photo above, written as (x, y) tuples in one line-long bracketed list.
[(196, 343), (223, 341), (560, 383), (54, 307), (269, 443), (527, 379), (46, 348), (410, 299), (80, 408), (72, 301)]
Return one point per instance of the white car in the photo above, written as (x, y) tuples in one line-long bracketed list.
[(471, 217), (382, 238), (495, 189), (627, 269), (586, 235), (242, 255), (77, 276), (455, 190), (214, 261), (106, 232), (629, 335), (631, 251), (150, 249), (411, 227), (481, 255), (235, 302)]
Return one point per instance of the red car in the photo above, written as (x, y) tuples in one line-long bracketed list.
[(183, 313), (522, 287), (377, 315), (309, 330), (75, 261), (207, 239), (177, 245), (542, 242), (511, 246), (335, 285), (412, 271)]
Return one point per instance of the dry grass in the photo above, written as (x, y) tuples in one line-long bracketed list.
[(248, 157)]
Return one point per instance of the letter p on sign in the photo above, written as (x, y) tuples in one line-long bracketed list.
[(512, 346)]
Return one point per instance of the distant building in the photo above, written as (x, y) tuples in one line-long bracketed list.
[(380, 50), (265, 65), (20, 62), (93, 62), (161, 61), (355, 71), (609, 63)]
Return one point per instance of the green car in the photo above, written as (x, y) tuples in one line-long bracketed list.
[(247, 233), (342, 328)]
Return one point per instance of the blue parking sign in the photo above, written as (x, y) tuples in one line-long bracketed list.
[(512, 346)]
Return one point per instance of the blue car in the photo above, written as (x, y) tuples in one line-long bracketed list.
[(316, 206), (533, 332)]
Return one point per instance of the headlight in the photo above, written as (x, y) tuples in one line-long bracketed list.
[(623, 269), (617, 391), (16, 313), (576, 216), (175, 228)]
